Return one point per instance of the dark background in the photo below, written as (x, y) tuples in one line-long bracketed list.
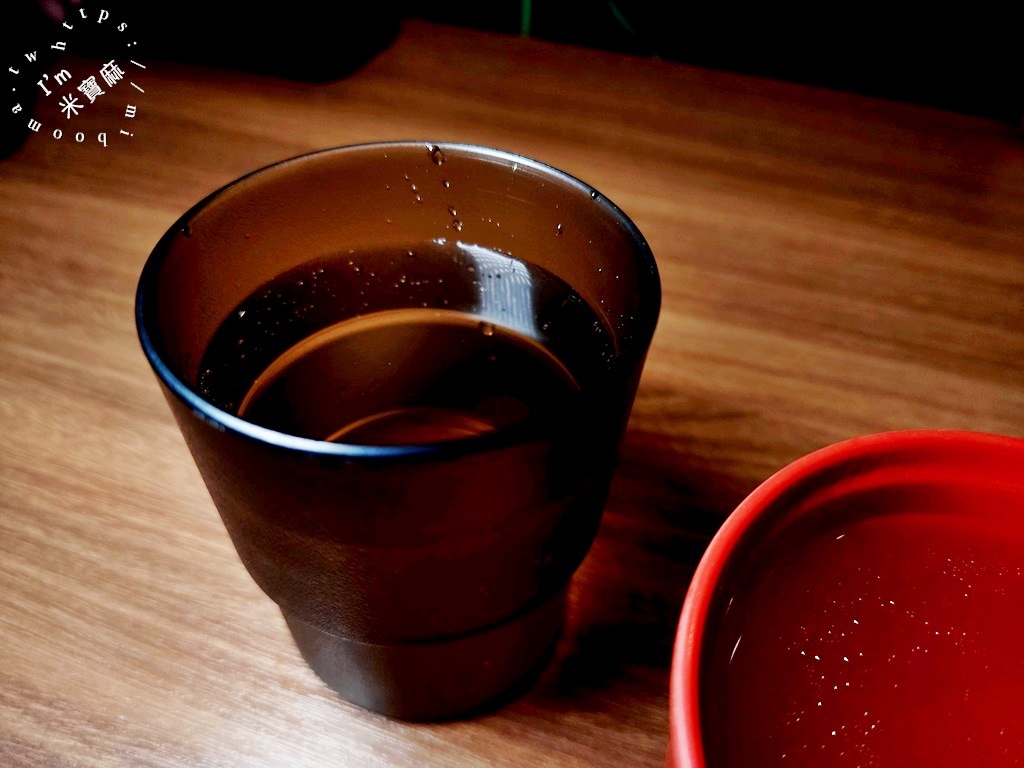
[(964, 59)]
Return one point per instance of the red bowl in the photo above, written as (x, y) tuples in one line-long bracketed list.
[(919, 505)]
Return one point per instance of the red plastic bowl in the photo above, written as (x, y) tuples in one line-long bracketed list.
[(964, 473)]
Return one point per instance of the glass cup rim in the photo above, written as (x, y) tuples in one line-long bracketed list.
[(145, 314)]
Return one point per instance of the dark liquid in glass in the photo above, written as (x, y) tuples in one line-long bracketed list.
[(413, 345)]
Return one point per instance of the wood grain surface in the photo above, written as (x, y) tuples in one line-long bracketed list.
[(833, 265)]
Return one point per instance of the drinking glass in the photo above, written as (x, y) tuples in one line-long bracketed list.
[(419, 549)]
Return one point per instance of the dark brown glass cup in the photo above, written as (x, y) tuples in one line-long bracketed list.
[(420, 578)]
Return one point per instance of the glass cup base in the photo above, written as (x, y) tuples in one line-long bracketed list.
[(439, 679)]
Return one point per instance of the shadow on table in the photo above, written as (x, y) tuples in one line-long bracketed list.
[(624, 605)]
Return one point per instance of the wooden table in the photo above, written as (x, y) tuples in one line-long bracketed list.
[(833, 265)]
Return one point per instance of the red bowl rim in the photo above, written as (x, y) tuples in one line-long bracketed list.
[(686, 747)]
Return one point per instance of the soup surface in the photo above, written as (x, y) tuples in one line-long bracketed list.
[(883, 630)]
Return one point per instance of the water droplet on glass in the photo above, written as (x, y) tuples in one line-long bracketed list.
[(593, 194), (411, 254), (487, 329), (419, 199), (187, 230), (412, 187), (452, 211), (558, 229), (402, 279), (446, 184), (436, 155), (457, 225)]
